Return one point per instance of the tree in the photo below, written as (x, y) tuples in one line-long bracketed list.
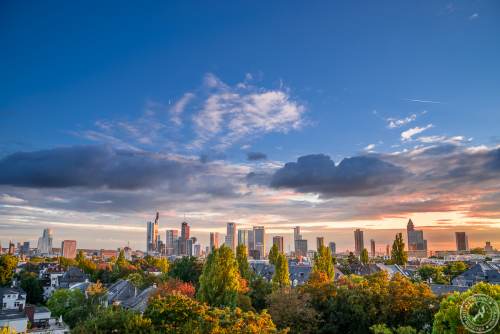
[(363, 257), (273, 254), (187, 269), (259, 290), (70, 304), (175, 286), (290, 308), (115, 320), (8, 264), (241, 259), (398, 254), (323, 263), (33, 287), (454, 269), (121, 261), (435, 273), (478, 250), (447, 319), (220, 279), (281, 275)]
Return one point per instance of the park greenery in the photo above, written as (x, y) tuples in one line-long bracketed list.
[(224, 295)]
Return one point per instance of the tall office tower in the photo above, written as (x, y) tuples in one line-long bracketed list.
[(417, 246), (189, 246), (462, 241), (333, 247), (185, 232), (372, 247), (68, 249), (320, 242), (45, 242), (170, 237), (12, 248), (387, 250), (152, 234), (243, 238), (25, 249), (197, 250), (301, 248), (298, 246), (231, 236), (488, 248), (251, 240), (359, 243), (278, 241), (259, 233), (296, 233), (214, 240)]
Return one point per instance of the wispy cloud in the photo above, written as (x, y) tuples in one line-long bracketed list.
[(369, 147), (396, 123), (408, 134), (423, 101), (178, 108), (474, 16)]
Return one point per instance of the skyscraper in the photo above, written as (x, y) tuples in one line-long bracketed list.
[(278, 241), (170, 237), (243, 238), (301, 248), (45, 242), (68, 249), (259, 233), (417, 246), (372, 247), (251, 241), (333, 247), (185, 232), (462, 241), (231, 236), (320, 241), (152, 234), (214, 240), (296, 233), (359, 243)]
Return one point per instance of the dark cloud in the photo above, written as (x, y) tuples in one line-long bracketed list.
[(254, 156), (357, 176), (93, 167)]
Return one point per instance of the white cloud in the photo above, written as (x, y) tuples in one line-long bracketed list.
[(8, 199), (408, 134), (474, 16), (443, 139), (396, 123), (178, 108), (423, 101), (369, 147)]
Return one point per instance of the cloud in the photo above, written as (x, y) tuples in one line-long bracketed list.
[(94, 167), (423, 101), (254, 156), (474, 16), (369, 147), (408, 134), (230, 114), (178, 108), (356, 176), (8, 199), (396, 123)]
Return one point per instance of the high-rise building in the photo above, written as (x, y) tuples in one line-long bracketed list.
[(259, 233), (301, 248), (45, 242), (372, 247), (488, 248), (12, 248), (197, 250), (189, 246), (320, 242), (296, 233), (68, 249), (185, 233), (231, 236), (462, 241), (387, 250), (333, 247), (359, 243), (25, 248), (278, 241), (214, 240), (417, 245), (243, 238), (152, 234), (251, 240), (170, 237)]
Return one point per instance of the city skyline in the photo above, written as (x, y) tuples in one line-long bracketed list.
[(328, 125)]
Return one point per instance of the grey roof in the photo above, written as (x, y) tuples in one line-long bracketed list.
[(443, 289), (484, 271), (72, 275), (139, 302), (12, 315), (11, 291), (121, 291)]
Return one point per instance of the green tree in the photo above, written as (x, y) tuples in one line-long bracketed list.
[(8, 264), (435, 273), (259, 290), (220, 279), (447, 319), (273, 254), (241, 259), (478, 250), (281, 275), (323, 263), (70, 304), (398, 254), (33, 287), (364, 256), (115, 320), (187, 269), (454, 269), (121, 261)]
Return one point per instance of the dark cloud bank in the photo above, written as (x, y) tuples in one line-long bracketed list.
[(254, 156), (357, 176)]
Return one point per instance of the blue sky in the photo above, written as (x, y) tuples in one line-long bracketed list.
[(338, 74)]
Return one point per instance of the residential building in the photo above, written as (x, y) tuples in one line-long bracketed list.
[(12, 304), (359, 244), (462, 241), (278, 241), (488, 272), (68, 249)]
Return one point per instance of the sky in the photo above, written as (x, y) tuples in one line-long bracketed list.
[(332, 115)]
